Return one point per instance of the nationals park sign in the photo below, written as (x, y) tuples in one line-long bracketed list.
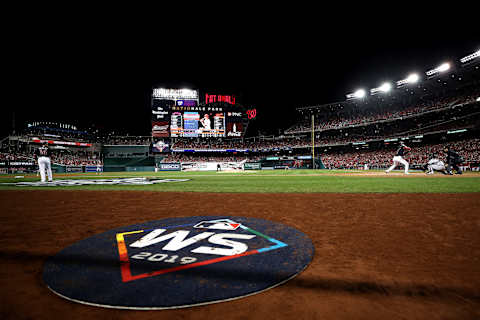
[(178, 262)]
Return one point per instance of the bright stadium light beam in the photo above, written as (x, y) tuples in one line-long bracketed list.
[(411, 79), (441, 68), (385, 87), (444, 67), (359, 94)]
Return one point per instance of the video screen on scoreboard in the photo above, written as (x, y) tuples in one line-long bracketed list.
[(185, 118), (197, 124)]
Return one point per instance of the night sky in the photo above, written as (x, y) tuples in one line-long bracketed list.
[(101, 69)]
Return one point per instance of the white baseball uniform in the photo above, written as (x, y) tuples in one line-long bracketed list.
[(435, 164), (44, 163)]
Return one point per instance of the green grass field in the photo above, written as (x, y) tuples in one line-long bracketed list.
[(304, 181)]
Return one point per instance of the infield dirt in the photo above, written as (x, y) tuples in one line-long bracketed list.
[(377, 256)]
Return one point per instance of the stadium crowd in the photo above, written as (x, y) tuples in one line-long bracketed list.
[(468, 149), (181, 157), (350, 114), (68, 159)]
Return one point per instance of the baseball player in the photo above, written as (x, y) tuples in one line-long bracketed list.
[(99, 167), (398, 158), (205, 121), (435, 164), (453, 160), (42, 155)]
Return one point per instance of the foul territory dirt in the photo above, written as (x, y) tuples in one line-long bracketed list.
[(377, 256)]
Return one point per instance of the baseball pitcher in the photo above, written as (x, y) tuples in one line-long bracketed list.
[(42, 155)]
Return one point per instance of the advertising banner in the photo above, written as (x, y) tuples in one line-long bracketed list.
[(74, 169), (160, 129), (21, 163), (170, 167), (93, 169), (252, 166), (212, 166)]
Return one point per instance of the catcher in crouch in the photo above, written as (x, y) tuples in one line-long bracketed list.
[(435, 164)]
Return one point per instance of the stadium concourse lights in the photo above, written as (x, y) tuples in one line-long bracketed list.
[(359, 94)]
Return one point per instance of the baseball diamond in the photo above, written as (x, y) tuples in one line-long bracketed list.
[(188, 175)]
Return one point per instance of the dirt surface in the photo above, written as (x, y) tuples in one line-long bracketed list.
[(377, 256)]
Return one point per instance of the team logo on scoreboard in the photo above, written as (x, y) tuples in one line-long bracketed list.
[(179, 262)]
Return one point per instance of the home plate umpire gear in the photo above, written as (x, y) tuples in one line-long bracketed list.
[(453, 160)]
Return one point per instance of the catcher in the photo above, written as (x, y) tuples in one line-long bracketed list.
[(435, 164)]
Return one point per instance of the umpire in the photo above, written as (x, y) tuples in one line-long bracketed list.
[(453, 160)]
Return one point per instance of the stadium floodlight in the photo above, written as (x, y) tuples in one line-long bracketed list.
[(412, 78), (478, 99), (386, 87), (359, 94), (441, 68), (470, 57)]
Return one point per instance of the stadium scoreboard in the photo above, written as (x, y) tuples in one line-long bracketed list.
[(178, 113)]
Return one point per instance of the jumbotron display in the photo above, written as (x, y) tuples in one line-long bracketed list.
[(177, 113)]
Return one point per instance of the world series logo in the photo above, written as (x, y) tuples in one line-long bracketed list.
[(178, 262), (164, 249)]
